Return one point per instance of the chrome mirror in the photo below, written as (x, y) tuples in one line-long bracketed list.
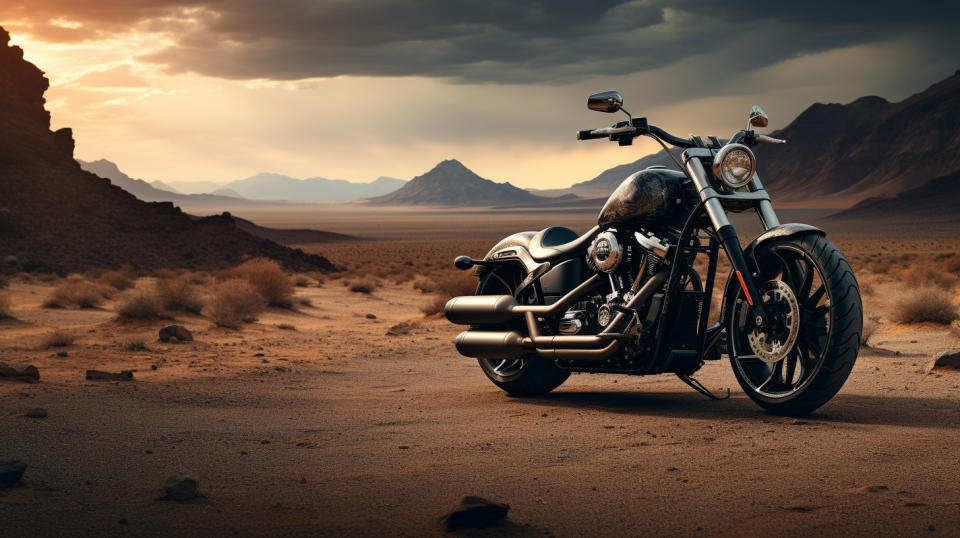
[(758, 118), (610, 101)]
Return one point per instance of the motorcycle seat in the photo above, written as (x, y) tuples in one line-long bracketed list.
[(559, 242)]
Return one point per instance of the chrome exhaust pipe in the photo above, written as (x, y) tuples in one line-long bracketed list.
[(492, 345), (500, 309)]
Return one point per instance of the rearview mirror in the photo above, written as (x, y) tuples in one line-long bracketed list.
[(758, 118), (610, 101)]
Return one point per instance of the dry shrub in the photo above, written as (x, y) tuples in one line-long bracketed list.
[(234, 302), (269, 280), (140, 305), (302, 281), (456, 284), (58, 338), (134, 343), (4, 304), (286, 327), (77, 294), (424, 284), (929, 274), (434, 306), (179, 294), (364, 285), (925, 304), (870, 326), (304, 301), (116, 279)]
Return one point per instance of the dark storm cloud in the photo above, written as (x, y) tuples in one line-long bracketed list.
[(486, 41)]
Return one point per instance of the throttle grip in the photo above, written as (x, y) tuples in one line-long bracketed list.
[(588, 134)]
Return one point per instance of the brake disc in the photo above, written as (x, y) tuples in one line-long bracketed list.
[(775, 344)]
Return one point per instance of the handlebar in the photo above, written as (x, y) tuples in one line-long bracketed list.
[(590, 134)]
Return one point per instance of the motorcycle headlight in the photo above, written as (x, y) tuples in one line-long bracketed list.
[(734, 165)]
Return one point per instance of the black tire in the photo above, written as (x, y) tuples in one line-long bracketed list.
[(531, 375), (829, 326)]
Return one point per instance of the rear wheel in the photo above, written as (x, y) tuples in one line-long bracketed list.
[(801, 361), (530, 375)]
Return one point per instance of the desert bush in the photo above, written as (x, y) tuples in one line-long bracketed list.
[(286, 327), (134, 343), (269, 280), (116, 279), (140, 305), (234, 302), (58, 338), (302, 281), (456, 284), (870, 326), (366, 284), (434, 305), (929, 273), (77, 294), (925, 304), (4, 304), (318, 279), (179, 294), (304, 301), (424, 284)]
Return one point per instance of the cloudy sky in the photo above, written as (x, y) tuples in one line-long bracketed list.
[(353, 89)]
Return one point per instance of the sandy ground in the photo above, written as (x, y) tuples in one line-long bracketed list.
[(335, 428)]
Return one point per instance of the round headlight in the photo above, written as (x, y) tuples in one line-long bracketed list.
[(734, 165)]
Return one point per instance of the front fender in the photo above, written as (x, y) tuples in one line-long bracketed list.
[(793, 229)]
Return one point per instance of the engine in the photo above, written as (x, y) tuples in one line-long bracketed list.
[(628, 259)]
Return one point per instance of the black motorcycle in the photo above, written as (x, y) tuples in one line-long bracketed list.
[(625, 298)]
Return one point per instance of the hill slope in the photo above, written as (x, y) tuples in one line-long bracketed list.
[(452, 183), (56, 217), (846, 153), (316, 189), (936, 200)]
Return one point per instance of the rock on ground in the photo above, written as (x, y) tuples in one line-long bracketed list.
[(97, 375), (948, 360), (11, 472), (476, 512), (30, 374), (175, 331), (181, 487), (36, 412)]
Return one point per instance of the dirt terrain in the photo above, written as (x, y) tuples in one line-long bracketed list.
[(316, 421)]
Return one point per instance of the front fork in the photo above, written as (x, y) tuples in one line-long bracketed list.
[(725, 231)]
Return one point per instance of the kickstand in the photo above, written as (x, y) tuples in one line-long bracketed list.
[(697, 386)]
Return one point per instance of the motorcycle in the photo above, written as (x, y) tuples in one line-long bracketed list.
[(625, 298)]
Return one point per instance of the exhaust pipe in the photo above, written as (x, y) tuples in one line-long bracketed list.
[(514, 345), (492, 345), (480, 309)]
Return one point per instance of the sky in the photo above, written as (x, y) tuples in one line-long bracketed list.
[(217, 90)]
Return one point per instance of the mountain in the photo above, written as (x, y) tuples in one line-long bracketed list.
[(188, 187), (837, 155), (164, 187), (866, 148), (316, 189), (935, 200), (295, 236), (56, 217), (452, 183)]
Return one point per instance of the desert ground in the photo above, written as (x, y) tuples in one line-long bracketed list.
[(350, 413)]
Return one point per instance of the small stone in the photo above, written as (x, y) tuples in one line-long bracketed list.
[(476, 512), (149, 451), (175, 331), (29, 374), (181, 487), (264, 442), (403, 447), (123, 521), (11, 472), (36, 412), (258, 354), (243, 452), (371, 316), (303, 480), (97, 375), (63, 354), (153, 366)]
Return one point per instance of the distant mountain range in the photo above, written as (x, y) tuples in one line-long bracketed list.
[(272, 187), (452, 183), (837, 155), (934, 201)]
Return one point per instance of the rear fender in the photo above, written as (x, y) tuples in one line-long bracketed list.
[(512, 248)]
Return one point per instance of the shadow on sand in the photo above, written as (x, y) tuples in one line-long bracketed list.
[(916, 412)]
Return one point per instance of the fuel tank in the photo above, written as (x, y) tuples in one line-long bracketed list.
[(646, 197)]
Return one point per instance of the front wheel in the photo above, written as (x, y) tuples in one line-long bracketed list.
[(801, 361), (531, 375)]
